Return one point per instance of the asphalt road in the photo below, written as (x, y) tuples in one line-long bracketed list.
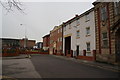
[(49, 66)]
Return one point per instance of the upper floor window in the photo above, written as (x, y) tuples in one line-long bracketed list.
[(116, 6), (105, 39), (65, 28), (88, 31), (87, 17), (60, 29), (77, 22), (77, 33), (104, 13), (70, 26), (60, 38)]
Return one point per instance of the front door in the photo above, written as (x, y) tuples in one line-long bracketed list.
[(77, 50)]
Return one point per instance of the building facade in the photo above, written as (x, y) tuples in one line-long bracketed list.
[(25, 43), (56, 36), (10, 43), (107, 23), (46, 42), (79, 34)]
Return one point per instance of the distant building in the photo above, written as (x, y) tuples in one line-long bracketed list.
[(107, 22), (10, 43), (46, 42), (27, 43), (79, 35), (56, 38), (39, 45)]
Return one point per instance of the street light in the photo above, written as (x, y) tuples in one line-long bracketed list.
[(25, 40)]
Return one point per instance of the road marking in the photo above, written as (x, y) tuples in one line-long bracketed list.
[(4, 77)]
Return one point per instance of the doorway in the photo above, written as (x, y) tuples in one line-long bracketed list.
[(77, 50), (67, 45), (117, 45)]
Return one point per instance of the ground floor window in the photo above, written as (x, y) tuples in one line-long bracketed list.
[(88, 46)]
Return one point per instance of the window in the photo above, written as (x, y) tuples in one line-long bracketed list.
[(65, 28), (51, 41), (87, 17), (70, 26), (78, 33), (88, 46), (88, 31), (60, 38), (77, 22), (61, 29), (116, 6), (105, 40), (103, 13), (60, 47)]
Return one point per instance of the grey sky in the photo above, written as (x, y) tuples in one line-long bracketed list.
[(40, 18)]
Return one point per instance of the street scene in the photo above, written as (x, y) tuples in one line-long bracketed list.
[(59, 39), (49, 66)]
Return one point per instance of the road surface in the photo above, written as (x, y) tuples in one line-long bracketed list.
[(49, 66)]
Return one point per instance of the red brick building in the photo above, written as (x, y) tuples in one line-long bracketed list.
[(107, 22), (56, 36), (27, 43), (46, 42)]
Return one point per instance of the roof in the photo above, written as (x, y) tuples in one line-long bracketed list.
[(9, 39), (78, 16), (14, 39), (46, 35), (56, 27)]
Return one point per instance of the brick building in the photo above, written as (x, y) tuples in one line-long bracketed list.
[(107, 22), (56, 36), (27, 43), (46, 42)]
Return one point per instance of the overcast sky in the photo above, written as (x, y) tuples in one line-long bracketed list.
[(40, 18)]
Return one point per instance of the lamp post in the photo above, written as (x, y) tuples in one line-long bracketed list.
[(25, 39)]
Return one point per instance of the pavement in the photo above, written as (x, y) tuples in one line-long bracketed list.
[(114, 68), (18, 67)]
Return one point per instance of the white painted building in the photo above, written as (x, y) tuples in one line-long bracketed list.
[(79, 34)]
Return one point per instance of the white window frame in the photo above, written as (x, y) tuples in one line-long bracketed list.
[(87, 17), (88, 32), (78, 34), (88, 48)]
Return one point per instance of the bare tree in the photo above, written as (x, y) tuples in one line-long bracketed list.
[(10, 4)]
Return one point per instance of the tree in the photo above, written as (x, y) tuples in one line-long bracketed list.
[(10, 4)]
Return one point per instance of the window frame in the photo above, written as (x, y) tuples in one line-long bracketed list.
[(87, 17), (87, 33), (77, 34), (88, 48), (103, 13), (105, 39)]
